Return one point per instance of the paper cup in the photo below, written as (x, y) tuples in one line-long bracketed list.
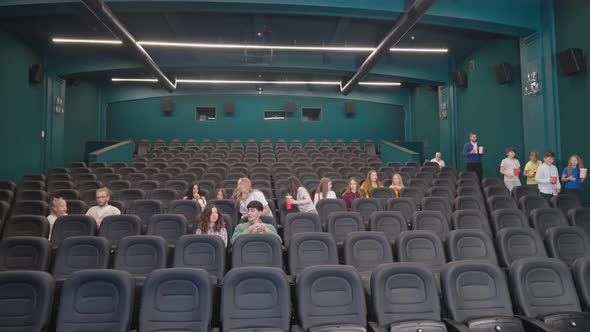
[(481, 150), (583, 173), (517, 172), (554, 180)]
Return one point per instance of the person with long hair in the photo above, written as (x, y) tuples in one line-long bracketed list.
[(195, 195), (324, 191), (371, 182), (58, 208), (572, 177), (211, 222), (351, 193), (221, 193), (244, 194), (530, 169), (302, 198), (397, 184)]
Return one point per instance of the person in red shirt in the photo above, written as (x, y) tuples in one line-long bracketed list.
[(351, 193)]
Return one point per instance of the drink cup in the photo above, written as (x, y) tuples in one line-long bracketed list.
[(583, 173), (554, 179), (288, 202), (517, 172), (480, 149)]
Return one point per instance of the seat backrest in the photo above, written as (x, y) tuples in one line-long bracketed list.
[(567, 243), (404, 292), (26, 225), (114, 228), (442, 191), (392, 223), (176, 299), (581, 272), (565, 203), (190, 209), (382, 193), (37, 208), (470, 244), (26, 300), (501, 202), (226, 206), (473, 289), (513, 243), (414, 193), (529, 203), (470, 202), (72, 225), (433, 221), (131, 194), (505, 218), (469, 191), (420, 247), (145, 209), (317, 302), (300, 222), (100, 300), (489, 182), (580, 217), (366, 207), (406, 206), (77, 207), (257, 250), (168, 226), (367, 250), (205, 252), (141, 254), (437, 204), (542, 286), (164, 195), (327, 206), (470, 219), (255, 298), (81, 253), (544, 218), (342, 223), (497, 190), (310, 249), (25, 253)]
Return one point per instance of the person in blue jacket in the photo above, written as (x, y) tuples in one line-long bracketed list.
[(472, 155)]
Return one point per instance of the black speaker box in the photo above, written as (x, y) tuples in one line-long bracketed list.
[(460, 78), (572, 61), (167, 106), (503, 73), (36, 73), (350, 108), (290, 107), (229, 108)]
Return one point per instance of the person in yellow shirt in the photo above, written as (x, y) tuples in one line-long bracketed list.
[(530, 169), (372, 181)]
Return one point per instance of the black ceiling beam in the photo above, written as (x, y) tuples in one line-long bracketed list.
[(104, 14), (403, 25)]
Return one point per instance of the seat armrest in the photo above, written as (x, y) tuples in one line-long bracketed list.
[(374, 327), (296, 328), (534, 325), (454, 326)]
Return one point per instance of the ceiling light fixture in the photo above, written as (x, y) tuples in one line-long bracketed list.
[(254, 47), (200, 81)]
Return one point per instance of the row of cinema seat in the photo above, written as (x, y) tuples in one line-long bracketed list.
[(475, 295)]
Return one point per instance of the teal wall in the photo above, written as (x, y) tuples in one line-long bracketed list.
[(22, 110), (139, 119), (81, 119), (425, 119), (492, 110), (571, 19)]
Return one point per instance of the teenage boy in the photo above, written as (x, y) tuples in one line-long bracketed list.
[(548, 177), (510, 168), (254, 223)]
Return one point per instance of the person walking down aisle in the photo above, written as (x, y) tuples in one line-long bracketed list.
[(510, 168), (548, 177), (473, 153), (573, 175), (530, 169)]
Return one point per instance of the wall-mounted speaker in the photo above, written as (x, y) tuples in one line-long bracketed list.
[(350, 108), (36, 73), (572, 61), (229, 108), (167, 106), (289, 107), (503, 73), (460, 78)]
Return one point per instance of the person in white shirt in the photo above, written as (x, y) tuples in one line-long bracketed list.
[(510, 168), (437, 159), (547, 177), (301, 198), (324, 191), (102, 208), (244, 194), (59, 208)]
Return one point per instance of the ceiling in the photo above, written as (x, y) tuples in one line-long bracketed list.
[(325, 23)]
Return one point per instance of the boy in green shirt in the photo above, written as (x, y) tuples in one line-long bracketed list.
[(254, 224)]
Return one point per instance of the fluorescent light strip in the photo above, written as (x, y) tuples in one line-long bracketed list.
[(254, 47), (194, 81)]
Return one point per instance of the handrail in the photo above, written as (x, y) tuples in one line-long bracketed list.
[(110, 147), (399, 147)]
